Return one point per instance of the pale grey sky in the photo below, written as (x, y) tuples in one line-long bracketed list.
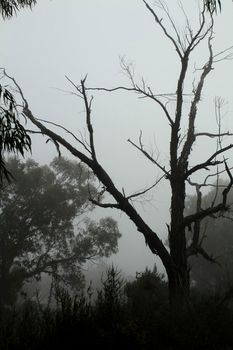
[(76, 37)]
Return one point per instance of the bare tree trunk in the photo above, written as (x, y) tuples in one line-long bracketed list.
[(178, 277), (179, 288)]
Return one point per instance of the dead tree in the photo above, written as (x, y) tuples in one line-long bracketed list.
[(174, 259)]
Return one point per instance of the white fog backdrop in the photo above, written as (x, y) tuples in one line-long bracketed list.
[(76, 37)]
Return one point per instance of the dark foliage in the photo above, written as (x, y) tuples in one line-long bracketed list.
[(8, 8), (39, 233), (147, 294), (212, 5), (13, 136), (111, 323)]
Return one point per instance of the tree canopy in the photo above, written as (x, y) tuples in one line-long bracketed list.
[(44, 224)]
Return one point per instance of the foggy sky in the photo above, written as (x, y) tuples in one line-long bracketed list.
[(77, 37)]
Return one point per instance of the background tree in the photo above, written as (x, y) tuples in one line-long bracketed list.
[(39, 215), (217, 237), (180, 171)]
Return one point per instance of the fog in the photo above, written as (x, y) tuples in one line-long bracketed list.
[(74, 38)]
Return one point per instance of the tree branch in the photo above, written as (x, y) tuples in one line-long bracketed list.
[(88, 118), (140, 193), (146, 154), (193, 109), (104, 205), (213, 135), (68, 131), (200, 250), (138, 90), (208, 162), (159, 22), (188, 220)]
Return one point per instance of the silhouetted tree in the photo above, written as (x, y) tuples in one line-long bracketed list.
[(180, 170), (39, 233)]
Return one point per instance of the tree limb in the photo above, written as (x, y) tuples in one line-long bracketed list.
[(159, 22), (146, 154), (104, 205), (138, 90), (213, 135), (188, 220), (193, 109), (208, 162), (140, 193)]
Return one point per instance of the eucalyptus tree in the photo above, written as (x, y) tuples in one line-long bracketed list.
[(8, 8), (13, 136), (45, 225)]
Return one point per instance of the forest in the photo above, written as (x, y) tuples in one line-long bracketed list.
[(59, 219)]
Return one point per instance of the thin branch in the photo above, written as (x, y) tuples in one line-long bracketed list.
[(146, 154), (66, 130), (166, 10), (56, 145), (88, 118), (200, 250), (198, 37), (140, 193), (104, 205), (214, 175), (208, 162), (229, 56), (188, 220), (213, 135), (43, 266), (138, 90), (193, 109), (205, 184), (159, 22), (196, 245)]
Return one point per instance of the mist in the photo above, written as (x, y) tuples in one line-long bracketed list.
[(49, 50)]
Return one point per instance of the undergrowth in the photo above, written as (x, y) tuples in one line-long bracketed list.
[(132, 315)]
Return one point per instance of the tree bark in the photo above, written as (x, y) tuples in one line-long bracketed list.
[(178, 276)]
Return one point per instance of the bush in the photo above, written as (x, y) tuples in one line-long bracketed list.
[(133, 315)]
